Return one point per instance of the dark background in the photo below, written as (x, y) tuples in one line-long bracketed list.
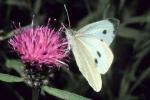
[(128, 77)]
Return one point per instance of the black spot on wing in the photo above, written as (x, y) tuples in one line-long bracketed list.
[(115, 23), (98, 53), (96, 61), (101, 40), (104, 31)]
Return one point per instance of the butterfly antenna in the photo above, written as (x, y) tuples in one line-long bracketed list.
[(67, 15)]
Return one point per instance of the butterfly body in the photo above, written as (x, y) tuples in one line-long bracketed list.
[(90, 47)]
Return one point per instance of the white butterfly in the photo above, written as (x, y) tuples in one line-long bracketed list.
[(90, 46)]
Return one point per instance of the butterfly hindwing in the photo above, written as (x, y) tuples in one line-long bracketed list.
[(104, 30), (86, 64), (100, 53)]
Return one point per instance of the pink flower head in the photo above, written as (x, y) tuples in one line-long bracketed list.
[(40, 45)]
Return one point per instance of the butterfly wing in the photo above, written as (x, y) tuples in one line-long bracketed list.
[(91, 50), (86, 64), (103, 30), (100, 53)]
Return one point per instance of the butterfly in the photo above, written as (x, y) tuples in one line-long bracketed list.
[(90, 47)]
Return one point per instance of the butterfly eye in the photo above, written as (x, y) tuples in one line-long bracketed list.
[(104, 31)]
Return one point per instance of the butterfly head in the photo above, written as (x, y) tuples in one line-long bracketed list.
[(70, 32), (70, 35)]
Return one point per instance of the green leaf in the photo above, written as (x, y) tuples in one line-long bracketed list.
[(37, 6), (142, 42), (18, 3), (128, 97), (138, 19), (129, 33), (145, 74), (14, 64), (94, 15), (10, 78), (142, 53), (63, 94), (142, 46), (124, 85)]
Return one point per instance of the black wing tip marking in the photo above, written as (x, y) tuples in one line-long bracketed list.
[(115, 23)]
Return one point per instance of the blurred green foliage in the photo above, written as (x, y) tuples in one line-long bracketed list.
[(128, 77)]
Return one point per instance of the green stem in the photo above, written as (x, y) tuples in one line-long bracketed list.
[(35, 93)]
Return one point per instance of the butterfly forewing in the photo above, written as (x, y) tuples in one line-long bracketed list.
[(103, 30)]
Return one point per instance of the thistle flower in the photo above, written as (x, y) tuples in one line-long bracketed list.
[(40, 49)]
